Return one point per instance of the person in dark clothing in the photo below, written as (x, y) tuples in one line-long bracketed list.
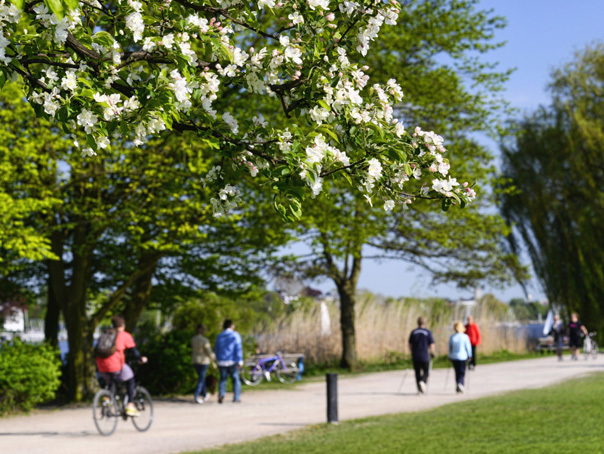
[(558, 332), (421, 345), (575, 327)]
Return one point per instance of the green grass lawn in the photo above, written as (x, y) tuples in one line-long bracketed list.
[(566, 418)]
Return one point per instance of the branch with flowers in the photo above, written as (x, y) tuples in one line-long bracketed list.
[(132, 69)]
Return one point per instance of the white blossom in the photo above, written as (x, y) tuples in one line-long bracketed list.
[(231, 121), (87, 119)]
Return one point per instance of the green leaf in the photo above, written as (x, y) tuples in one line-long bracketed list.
[(346, 177), (295, 207), (103, 38), (91, 142), (18, 3), (324, 105), (56, 6), (327, 130), (71, 5)]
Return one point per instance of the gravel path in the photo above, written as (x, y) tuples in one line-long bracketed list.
[(181, 425)]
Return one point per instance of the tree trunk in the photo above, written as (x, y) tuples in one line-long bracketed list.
[(347, 323), (80, 367), (51, 318), (139, 300)]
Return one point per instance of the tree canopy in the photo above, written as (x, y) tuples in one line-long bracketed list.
[(554, 173), (458, 94), (120, 223)]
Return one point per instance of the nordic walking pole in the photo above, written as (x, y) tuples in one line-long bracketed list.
[(403, 381), (430, 370), (468, 381), (447, 374)]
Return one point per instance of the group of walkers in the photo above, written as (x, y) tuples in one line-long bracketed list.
[(574, 331), (461, 351), (228, 355)]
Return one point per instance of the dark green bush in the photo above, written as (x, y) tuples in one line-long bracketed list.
[(169, 370), (29, 375)]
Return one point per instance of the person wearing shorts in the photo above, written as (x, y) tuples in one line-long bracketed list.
[(575, 328), (114, 367)]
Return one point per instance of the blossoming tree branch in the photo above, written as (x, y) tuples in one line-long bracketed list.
[(130, 69)]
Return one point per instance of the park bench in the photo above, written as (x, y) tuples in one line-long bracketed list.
[(546, 345)]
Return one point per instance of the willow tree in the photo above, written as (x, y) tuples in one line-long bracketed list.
[(554, 174)]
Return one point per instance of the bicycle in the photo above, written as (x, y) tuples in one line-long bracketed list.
[(590, 346), (253, 373), (110, 403)]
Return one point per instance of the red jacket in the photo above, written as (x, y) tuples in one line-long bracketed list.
[(474, 334)]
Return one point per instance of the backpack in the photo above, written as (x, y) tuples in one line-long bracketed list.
[(105, 346)]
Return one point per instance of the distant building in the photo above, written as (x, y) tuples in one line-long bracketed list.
[(469, 303), (13, 316)]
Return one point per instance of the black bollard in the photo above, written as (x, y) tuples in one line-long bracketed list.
[(332, 398)]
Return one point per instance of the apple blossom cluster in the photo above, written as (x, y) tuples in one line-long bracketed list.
[(131, 69)]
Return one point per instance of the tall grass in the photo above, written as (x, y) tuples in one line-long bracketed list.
[(383, 327)]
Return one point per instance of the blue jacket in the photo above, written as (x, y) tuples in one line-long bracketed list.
[(460, 348), (228, 348)]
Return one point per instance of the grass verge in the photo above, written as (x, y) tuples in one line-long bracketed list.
[(561, 418)]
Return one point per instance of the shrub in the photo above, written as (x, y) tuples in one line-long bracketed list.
[(29, 375), (169, 370)]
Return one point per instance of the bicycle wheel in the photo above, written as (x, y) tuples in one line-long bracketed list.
[(287, 372), (105, 412), (251, 374), (144, 405)]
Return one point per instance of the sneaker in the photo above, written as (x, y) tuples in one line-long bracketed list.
[(422, 387), (131, 411), (460, 388), (199, 400), (237, 401), (220, 399)]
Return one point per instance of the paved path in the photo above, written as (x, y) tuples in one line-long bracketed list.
[(183, 425)]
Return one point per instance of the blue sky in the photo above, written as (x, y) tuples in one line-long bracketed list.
[(541, 35)]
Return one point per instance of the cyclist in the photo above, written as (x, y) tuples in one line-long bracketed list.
[(114, 367), (575, 327)]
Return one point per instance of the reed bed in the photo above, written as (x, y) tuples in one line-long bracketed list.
[(383, 327)]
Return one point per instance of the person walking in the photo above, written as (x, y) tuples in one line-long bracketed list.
[(421, 345), (460, 350), (229, 356), (473, 333), (558, 332), (575, 327), (202, 356)]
